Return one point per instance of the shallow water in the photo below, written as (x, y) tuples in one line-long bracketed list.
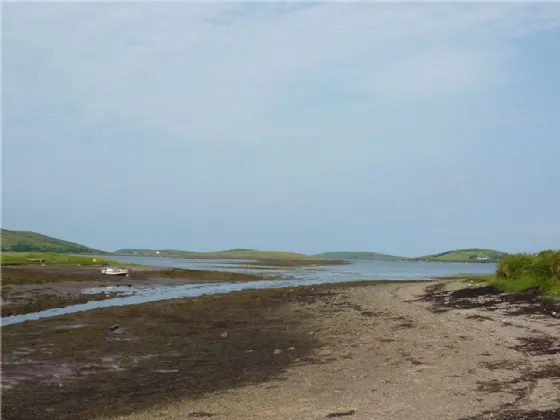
[(300, 276)]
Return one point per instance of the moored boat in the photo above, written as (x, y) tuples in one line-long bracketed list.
[(115, 271)]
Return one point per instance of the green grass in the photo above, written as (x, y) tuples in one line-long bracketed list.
[(22, 241), (465, 255), (358, 255), (52, 258), (517, 273)]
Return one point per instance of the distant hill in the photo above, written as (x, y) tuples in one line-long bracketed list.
[(465, 255), (347, 255), (22, 241), (232, 253)]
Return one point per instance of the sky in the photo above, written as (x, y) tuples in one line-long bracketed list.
[(403, 128)]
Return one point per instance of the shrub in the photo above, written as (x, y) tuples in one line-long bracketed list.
[(524, 271), (514, 266), (546, 264)]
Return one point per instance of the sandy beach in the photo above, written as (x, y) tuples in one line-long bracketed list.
[(394, 350)]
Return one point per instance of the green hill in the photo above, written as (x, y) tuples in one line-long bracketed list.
[(22, 241), (233, 253), (347, 255), (465, 255)]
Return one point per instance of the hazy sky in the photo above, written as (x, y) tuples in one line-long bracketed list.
[(398, 128)]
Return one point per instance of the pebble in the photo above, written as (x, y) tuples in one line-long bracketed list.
[(224, 334), (291, 348), (277, 351), (114, 327)]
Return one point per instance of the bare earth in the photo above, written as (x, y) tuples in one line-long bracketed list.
[(390, 355)]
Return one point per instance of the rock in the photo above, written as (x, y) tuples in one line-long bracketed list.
[(249, 351), (291, 348), (277, 351), (224, 334), (114, 327)]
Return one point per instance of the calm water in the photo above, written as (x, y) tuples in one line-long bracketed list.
[(301, 276)]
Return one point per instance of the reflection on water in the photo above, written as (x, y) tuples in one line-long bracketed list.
[(300, 276)]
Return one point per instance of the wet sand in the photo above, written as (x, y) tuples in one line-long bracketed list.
[(393, 350)]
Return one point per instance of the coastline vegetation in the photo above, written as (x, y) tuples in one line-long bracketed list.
[(53, 258), (518, 273)]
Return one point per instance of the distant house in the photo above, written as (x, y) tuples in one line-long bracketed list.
[(478, 258)]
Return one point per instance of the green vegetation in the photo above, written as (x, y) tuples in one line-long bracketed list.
[(348, 255), (20, 241), (466, 255), (52, 258), (522, 272)]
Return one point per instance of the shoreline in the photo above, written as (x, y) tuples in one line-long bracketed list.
[(378, 350)]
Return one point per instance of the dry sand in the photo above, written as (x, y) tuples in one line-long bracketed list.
[(389, 355)]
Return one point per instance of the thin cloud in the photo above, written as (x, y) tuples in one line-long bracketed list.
[(178, 67)]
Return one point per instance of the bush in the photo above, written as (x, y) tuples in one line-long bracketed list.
[(546, 265), (514, 266), (519, 272)]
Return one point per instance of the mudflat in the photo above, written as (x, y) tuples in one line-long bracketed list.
[(379, 350), (36, 288)]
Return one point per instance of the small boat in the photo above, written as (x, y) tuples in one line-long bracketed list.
[(115, 271)]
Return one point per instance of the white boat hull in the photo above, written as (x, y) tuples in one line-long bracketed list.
[(115, 271)]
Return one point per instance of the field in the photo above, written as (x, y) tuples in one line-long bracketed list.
[(465, 255)]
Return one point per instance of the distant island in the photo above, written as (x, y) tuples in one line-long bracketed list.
[(23, 241)]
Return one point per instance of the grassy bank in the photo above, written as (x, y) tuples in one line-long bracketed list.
[(54, 258), (527, 272)]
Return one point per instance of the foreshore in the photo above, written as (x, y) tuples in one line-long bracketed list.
[(375, 350), (35, 288)]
